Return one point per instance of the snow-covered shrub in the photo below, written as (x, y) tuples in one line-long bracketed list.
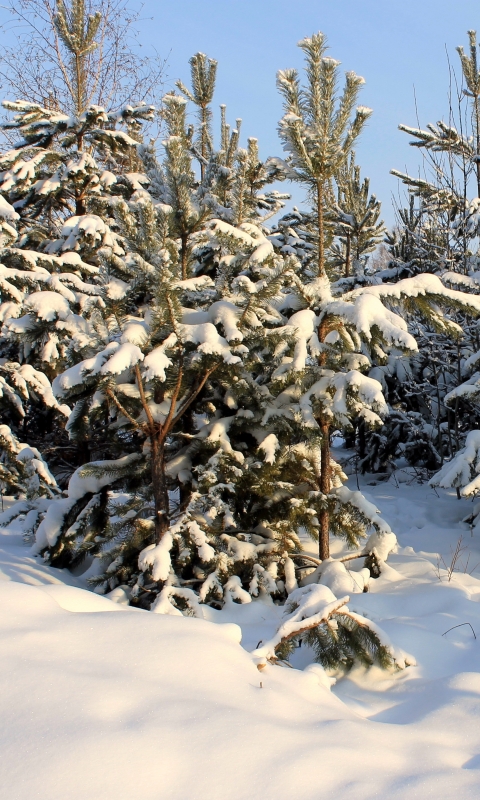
[(339, 637)]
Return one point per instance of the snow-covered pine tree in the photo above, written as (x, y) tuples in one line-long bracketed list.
[(463, 474), (203, 74), (453, 156), (419, 430), (417, 243), (359, 227), (205, 378), (319, 137), (54, 292), (230, 529), (51, 285), (206, 365), (26, 406), (339, 338), (339, 637), (148, 357), (440, 236)]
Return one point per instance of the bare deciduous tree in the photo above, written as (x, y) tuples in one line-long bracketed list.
[(106, 66)]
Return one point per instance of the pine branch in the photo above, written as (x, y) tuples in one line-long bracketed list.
[(123, 410)]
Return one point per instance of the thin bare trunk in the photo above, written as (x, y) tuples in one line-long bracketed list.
[(324, 532), (80, 83), (347, 256), (183, 255), (80, 208), (204, 141), (324, 481), (160, 492), (439, 417), (157, 434), (477, 132), (321, 229)]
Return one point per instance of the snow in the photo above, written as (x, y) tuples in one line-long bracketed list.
[(233, 591), (157, 360), (7, 211), (116, 289), (341, 580), (50, 527), (269, 446), (80, 484), (156, 557), (26, 376), (48, 305), (74, 376), (421, 285), (163, 705), (205, 550), (306, 607), (164, 605), (368, 312), (350, 389), (90, 227), (463, 471), (135, 331), (209, 341), (127, 355), (303, 322)]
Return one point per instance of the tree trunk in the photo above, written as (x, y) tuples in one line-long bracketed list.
[(361, 441), (183, 256), (347, 256), (160, 492), (324, 482), (83, 452), (80, 208), (204, 142), (324, 537), (321, 229), (477, 131)]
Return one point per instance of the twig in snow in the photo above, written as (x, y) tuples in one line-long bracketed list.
[(459, 626)]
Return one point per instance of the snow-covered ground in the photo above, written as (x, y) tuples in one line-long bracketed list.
[(99, 700)]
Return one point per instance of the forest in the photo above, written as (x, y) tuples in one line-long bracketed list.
[(251, 427)]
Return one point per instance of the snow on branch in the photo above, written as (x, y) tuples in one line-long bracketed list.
[(156, 558), (307, 607), (423, 285), (340, 394), (314, 607), (367, 312), (463, 471), (171, 597)]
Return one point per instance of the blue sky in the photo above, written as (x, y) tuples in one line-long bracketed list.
[(400, 48)]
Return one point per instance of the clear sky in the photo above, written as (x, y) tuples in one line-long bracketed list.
[(400, 48)]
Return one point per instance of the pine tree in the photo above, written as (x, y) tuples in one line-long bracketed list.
[(67, 56), (163, 327), (77, 31), (203, 73), (441, 236), (340, 337), (205, 361), (338, 637), (471, 75), (318, 134), (462, 474), (454, 157), (319, 138), (359, 228)]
